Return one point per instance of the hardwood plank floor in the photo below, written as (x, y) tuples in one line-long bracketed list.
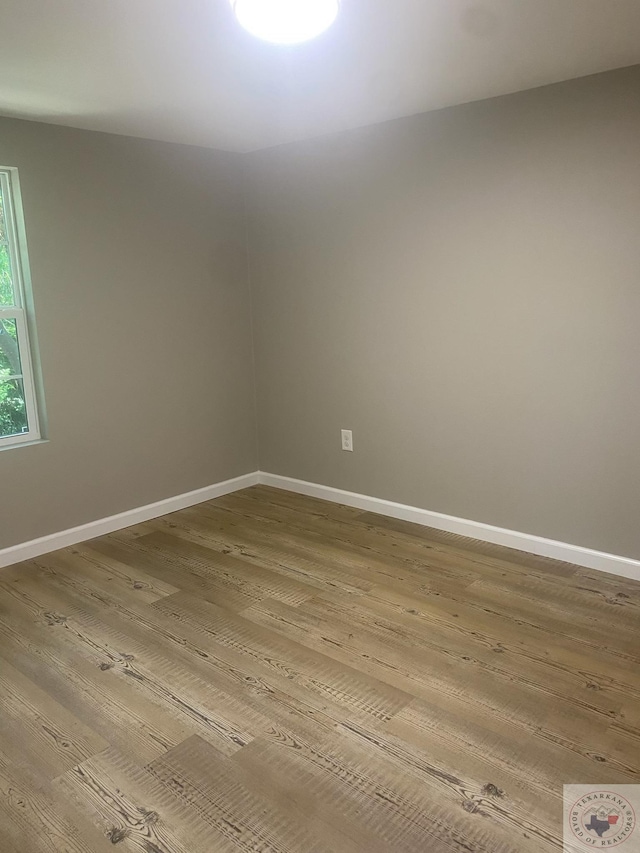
[(270, 672)]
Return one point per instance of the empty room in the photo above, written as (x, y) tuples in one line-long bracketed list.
[(319, 426)]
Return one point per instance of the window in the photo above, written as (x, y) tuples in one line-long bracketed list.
[(18, 406)]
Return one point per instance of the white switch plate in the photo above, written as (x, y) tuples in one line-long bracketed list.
[(347, 439)]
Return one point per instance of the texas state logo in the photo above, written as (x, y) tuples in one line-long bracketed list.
[(599, 819)]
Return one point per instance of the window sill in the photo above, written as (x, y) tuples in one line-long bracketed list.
[(19, 444)]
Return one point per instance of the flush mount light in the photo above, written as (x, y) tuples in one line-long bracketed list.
[(286, 21)]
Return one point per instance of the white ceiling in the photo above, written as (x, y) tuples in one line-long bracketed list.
[(182, 70)]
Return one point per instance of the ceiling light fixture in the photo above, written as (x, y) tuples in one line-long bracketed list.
[(286, 21)]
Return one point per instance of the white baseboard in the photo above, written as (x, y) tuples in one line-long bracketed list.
[(598, 560), (45, 544), (623, 566)]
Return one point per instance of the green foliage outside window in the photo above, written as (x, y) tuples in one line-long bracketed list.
[(13, 414), (6, 290)]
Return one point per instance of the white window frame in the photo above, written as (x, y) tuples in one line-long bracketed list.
[(21, 312)]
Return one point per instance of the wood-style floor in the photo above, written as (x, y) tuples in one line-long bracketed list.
[(269, 672)]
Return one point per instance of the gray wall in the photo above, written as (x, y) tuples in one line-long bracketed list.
[(462, 289), (139, 273)]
